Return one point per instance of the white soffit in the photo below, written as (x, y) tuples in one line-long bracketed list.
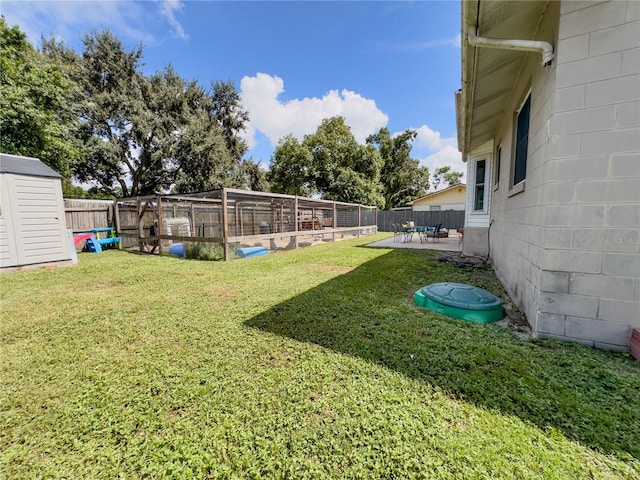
[(489, 75)]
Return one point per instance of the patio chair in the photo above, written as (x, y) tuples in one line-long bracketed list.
[(397, 232), (435, 233), (422, 233), (408, 232)]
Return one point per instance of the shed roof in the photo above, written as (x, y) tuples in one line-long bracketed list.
[(25, 166)]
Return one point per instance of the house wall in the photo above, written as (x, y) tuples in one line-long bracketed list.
[(453, 199), (439, 207), (590, 262), (512, 228), (517, 212), (566, 243)]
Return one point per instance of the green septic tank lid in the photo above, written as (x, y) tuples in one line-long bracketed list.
[(460, 300)]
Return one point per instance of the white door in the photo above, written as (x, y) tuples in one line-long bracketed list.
[(40, 227)]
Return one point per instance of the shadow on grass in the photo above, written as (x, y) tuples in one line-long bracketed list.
[(590, 396)]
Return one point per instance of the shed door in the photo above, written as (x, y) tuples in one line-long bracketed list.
[(38, 219), (8, 251)]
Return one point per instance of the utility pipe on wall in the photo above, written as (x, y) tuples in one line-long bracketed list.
[(544, 48)]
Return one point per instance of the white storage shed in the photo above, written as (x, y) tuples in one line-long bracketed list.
[(33, 231)]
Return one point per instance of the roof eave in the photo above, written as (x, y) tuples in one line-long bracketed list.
[(465, 94)]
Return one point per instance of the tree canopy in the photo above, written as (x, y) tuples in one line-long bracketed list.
[(144, 134), (36, 98), (403, 178), (329, 163), (444, 177), (96, 117)]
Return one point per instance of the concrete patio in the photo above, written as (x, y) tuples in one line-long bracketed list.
[(451, 243)]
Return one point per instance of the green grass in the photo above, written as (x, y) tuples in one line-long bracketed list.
[(312, 363)]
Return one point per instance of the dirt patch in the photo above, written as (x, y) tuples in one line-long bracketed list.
[(514, 318), (463, 261)]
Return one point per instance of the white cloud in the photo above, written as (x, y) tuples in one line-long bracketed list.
[(431, 139), (447, 156), (440, 151), (276, 118), (457, 42), (68, 20), (169, 8)]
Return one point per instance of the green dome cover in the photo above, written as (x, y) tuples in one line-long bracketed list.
[(460, 300)]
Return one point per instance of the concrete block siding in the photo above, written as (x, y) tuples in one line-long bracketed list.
[(567, 246), (591, 264), (591, 260)]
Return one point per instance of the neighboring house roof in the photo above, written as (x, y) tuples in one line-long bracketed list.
[(488, 74), (25, 166), (434, 195)]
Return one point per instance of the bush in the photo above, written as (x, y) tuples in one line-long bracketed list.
[(204, 251)]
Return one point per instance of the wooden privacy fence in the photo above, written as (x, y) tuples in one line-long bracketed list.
[(84, 215), (448, 218)]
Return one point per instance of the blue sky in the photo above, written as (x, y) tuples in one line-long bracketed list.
[(384, 63)]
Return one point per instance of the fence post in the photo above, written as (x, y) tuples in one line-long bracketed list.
[(225, 232), (160, 217), (335, 221), (116, 217)]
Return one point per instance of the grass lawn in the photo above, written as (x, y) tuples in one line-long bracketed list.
[(312, 363)]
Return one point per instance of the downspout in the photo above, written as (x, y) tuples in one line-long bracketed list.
[(544, 48)]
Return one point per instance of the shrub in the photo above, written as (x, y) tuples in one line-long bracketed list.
[(204, 251)]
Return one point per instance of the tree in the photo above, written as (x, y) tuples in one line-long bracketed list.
[(254, 177), (344, 170), (446, 177), (402, 177), (112, 113), (291, 169), (203, 159), (69, 190), (330, 163), (36, 98), (230, 115), (144, 134), (210, 150)]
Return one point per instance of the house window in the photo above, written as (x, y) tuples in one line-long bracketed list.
[(436, 208), (522, 142), (478, 199), (496, 173)]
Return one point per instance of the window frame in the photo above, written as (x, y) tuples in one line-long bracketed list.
[(484, 184), (518, 186), (496, 169)]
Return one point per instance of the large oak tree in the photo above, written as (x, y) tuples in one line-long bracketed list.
[(143, 134)]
